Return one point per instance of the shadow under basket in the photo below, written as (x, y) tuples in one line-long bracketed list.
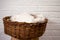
[(23, 30)]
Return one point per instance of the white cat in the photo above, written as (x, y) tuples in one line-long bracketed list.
[(29, 18)]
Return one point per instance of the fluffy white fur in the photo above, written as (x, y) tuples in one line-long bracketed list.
[(25, 17)]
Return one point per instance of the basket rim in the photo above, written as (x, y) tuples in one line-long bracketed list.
[(8, 17)]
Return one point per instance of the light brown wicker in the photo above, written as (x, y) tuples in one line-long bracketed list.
[(24, 39), (23, 30)]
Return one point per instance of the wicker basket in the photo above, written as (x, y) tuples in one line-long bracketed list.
[(23, 30)]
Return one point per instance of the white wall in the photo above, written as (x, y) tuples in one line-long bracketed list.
[(49, 8)]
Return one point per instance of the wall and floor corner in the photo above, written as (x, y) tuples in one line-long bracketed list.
[(49, 8)]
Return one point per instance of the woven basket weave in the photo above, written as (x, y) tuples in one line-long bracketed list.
[(23, 30)]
